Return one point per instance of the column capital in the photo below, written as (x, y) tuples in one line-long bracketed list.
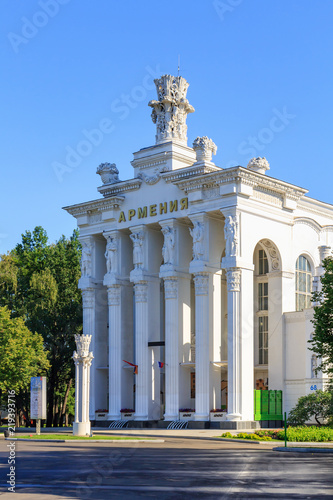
[(141, 291), (324, 252), (171, 287), (88, 298), (114, 293), (233, 279), (201, 283)]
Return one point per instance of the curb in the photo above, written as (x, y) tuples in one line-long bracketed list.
[(112, 441)]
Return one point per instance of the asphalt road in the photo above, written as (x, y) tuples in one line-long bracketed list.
[(176, 469)]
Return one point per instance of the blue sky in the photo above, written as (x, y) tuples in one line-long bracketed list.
[(260, 77)]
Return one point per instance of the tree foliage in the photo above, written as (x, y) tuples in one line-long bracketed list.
[(22, 353), (38, 282), (316, 405), (322, 342)]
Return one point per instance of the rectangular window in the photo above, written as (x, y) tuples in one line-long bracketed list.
[(263, 340), (263, 262), (263, 296)]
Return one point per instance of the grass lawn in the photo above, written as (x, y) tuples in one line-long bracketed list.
[(70, 436)]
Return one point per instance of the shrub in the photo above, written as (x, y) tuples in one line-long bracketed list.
[(317, 405), (310, 434)]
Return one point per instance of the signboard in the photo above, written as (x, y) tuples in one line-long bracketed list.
[(38, 398)]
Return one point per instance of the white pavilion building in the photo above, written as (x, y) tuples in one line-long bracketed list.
[(200, 277)]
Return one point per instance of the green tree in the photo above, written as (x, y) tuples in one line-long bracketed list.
[(22, 356), (322, 341), (47, 297), (316, 405)]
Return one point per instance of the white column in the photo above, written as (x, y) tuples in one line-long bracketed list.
[(76, 390), (171, 349), (88, 305), (202, 362), (115, 361), (141, 351), (234, 345), (82, 359)]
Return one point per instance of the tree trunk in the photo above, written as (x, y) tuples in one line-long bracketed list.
[(50, 410), (64, 404)]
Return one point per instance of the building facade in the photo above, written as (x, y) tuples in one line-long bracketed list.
[(197, 280)]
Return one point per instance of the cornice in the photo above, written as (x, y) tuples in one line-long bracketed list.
[(120, 187), (244, 176), (95, 206), (316, 207)]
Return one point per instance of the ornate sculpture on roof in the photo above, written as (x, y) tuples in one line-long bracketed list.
[(259, 165), (205, 148), (170, 111), (108, 172)]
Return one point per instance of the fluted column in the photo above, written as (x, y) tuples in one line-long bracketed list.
[(88, 305), (82, 359), (171, 349), (234, 344), (115, 361), (141, 350), (202, 362)]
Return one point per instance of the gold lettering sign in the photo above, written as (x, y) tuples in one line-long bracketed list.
[(164, 207)]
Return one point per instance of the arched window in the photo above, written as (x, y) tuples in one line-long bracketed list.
[(303, 283)]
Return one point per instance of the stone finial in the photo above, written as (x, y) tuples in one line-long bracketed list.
[(259, 165), (171, 110), (108, 172), (205, 148)]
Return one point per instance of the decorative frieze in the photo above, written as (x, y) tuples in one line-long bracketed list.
[(150, 179), (141, 292), (171, 288), (233, 280), (201, 283)]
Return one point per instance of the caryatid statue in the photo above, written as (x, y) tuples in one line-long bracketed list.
[(231, 235), (169, 244), (86, 260), (111, 254), (137, 239), (198, 233)]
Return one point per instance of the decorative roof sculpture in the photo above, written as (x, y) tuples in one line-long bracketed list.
[(171, 110)]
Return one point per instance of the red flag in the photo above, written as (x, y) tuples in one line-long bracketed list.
[(160, 364), (131, 364)]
